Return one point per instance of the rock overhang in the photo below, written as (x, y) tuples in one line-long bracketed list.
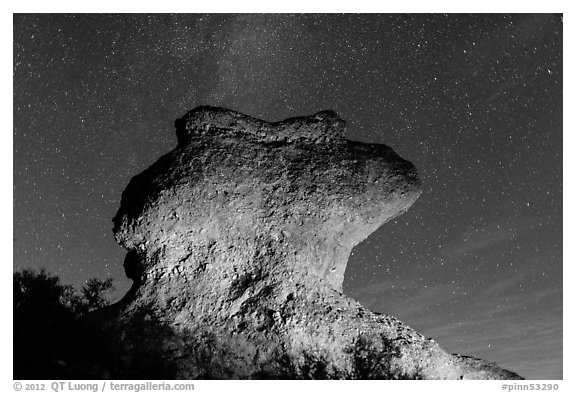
[(298, 180)]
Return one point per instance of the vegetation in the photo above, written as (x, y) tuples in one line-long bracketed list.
[(45, 314)]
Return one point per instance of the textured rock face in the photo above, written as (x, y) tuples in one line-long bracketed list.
[(237, 244)]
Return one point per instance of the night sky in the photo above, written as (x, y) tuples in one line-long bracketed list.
[(474, 101)]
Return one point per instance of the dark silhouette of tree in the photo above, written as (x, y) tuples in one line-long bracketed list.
[(93, 293), (71, 300), (45, 311), (41, 319)]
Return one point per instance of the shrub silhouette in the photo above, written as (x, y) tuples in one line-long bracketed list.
[(45, 312), (93, 293)]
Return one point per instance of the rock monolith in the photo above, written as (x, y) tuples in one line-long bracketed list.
[(238, 241)]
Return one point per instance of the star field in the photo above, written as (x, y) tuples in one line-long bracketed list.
[(474, 101)]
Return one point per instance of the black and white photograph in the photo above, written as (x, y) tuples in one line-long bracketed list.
[(287, 196)]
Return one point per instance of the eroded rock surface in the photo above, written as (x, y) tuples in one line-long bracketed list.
[(237, 243)]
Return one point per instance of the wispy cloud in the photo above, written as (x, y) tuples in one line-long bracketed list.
[(479, 239), (519, 331)]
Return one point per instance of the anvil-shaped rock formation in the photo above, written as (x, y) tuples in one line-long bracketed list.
[(237, 243)]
